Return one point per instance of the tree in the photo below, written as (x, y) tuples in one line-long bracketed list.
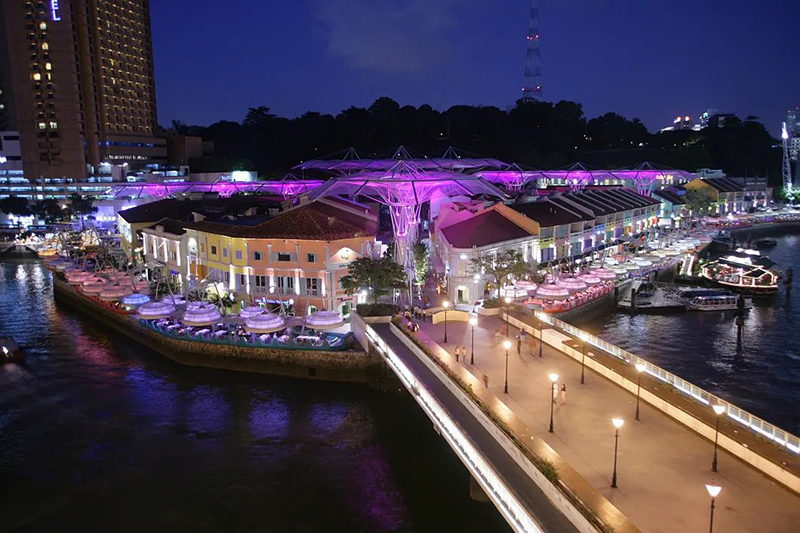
[(80, 206), (421, 257), (15, 205), (507, 265), (698, 201), (377, 275), (49, 210)]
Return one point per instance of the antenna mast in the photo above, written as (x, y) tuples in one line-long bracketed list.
[(787, 169), (532, 84)]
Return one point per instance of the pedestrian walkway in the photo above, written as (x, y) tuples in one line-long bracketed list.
[(531, 497), (662, 466)]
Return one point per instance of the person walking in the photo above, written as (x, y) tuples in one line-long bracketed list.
[(497, 335), (486, 380), (563, 394), (519, 344), (458, 352), (555, 394)]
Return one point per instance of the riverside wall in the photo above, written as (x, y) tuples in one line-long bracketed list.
[(348, 366)]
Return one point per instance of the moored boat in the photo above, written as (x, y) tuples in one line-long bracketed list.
[(718, 303)]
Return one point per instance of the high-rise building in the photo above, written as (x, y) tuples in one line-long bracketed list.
[(793, 122), (77, 83)]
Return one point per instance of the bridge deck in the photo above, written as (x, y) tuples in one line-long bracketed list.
[(528, 494)]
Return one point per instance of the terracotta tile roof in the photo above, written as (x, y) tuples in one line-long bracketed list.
[(313, 221), (483, 229)]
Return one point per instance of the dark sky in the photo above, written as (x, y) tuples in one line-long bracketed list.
[(652, 59)]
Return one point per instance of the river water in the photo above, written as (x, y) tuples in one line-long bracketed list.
[(98, 433), (701, 347)]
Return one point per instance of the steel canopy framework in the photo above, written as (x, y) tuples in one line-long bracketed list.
[(404, 188), (287, 188)]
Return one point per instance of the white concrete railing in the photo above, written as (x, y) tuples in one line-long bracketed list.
[(514, 513), (748, 420), (734, 447)]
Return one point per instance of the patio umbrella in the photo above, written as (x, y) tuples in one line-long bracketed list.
[(590, 279), (572, 284), (603, 273), (552, 292), (252, 310), (174, 299), (264, 323), (323, 320), (202, 315), (113, 292), (153, 310), (95, 287), (135, 299), (78, 277)]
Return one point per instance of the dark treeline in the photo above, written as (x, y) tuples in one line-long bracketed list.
[(536, 135)]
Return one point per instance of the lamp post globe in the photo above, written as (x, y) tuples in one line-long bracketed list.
[(719, 410), (553, 384), (618, 422)]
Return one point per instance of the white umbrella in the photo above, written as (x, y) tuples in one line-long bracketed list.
[(323, 320), (264, 323), (113, 292), (95, 287), (202, 315), (572, 284), (153, 310), (174, 299), (135, 299), (252, 310), (552, 292)]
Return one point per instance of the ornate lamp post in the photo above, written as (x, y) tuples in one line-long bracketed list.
[(713, 491), (539, 315), (508, 302), (583, 359), (639, 368), (445, 304), (719, 410), (618, 422), (473, 321), (507, 346), (553, 384)]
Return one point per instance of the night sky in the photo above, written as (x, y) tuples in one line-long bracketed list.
[(652, 59)]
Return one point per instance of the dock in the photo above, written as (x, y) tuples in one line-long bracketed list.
[(661, 299)]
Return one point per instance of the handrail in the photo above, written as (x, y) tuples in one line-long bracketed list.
[(748, 420)]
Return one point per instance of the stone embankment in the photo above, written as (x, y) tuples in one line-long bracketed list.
[(350, 365)]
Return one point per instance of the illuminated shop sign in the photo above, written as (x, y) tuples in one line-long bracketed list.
[(55, 10)]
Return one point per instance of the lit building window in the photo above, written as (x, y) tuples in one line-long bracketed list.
[(48, 66), (43, 26), (53, 125), (42, 125), (45, 46), (37, 76)]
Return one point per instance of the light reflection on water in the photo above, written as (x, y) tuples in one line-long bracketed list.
[(98, 432), (701, 347)]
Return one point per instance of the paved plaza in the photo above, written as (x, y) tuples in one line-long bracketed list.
[(662, 466)]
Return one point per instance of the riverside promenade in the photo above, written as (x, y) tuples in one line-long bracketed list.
[(662, 465)]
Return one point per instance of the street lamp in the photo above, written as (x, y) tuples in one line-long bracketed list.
[(618, 422), (508, 302), (473, 321), (718, 410), (541, 326), (506, 345), (639, 368), (553, 379), (583, 359), (445, 304), (713, 491)]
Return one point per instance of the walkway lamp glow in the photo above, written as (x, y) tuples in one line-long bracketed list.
[(618, 422), (507, 346), (445, 304), (473, 321), (640, 369), (719, 410), (713, 491), (508, 302), (553, 384)]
